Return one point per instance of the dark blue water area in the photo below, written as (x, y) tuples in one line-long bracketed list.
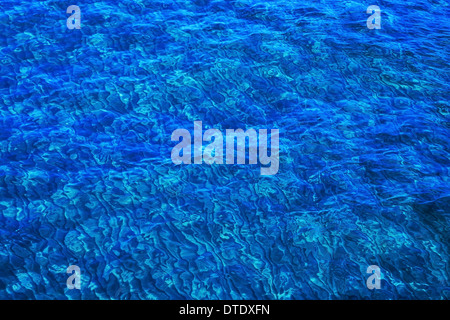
[(86, 176)]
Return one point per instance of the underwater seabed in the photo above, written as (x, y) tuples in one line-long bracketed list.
[(87, 179)]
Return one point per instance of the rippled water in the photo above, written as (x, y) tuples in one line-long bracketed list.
[(86, 177)]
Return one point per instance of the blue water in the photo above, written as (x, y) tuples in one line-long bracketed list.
[(86, 177)]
